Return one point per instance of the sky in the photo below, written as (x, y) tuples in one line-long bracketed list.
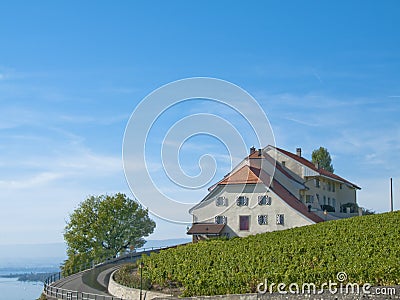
[(72, 73)]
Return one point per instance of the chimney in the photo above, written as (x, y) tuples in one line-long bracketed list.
[(259, 152), (298, 151), (252, 150)]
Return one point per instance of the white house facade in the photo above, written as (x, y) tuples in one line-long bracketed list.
[(270, 190)]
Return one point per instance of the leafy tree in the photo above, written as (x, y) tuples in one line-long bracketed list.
[(323, 158), (104, 226), (366, 211)]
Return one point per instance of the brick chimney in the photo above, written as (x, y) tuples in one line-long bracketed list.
[(259, 152), (298, 151)]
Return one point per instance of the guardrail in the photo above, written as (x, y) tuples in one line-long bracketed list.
[(60, 293)]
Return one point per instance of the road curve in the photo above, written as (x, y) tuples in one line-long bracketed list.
[(95, 280)]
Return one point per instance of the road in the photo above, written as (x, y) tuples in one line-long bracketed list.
[(95, 280)]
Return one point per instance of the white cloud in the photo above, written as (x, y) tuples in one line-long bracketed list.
[(37, 180)]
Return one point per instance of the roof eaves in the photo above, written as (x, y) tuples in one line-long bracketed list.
[(322, 172)]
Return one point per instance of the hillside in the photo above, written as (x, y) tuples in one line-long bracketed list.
[(366, 248)]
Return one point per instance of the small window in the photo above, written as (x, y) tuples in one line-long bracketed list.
[(264, 200), (329, 201), (242, 201), (319, 201), (333, 202), (309, 199), (221, 201), (220, 220), (341, 186), (280, 219), (324, 200), (333, 187), (317, 183), (283, 163), (263, 220), (244, 222), (329, 186)]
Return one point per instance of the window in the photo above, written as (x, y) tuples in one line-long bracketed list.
[(324, 200), (317, 182), (319, 201), (280, 218), (340, 186), (309, 199), (333, 187), (333, 202), (329, 201), (283, 163), (242, 201), (263, 219), (220, 220), (221, 201), (329, 186), (244, 222), (264, 200)]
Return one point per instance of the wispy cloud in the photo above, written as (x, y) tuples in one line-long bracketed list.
[(37, 181), (90, 119), (302, 122)]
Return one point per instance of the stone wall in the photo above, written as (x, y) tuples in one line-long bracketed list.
[(124, 292), (277, 296)]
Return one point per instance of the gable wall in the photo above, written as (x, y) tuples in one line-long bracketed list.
[(208, 211)]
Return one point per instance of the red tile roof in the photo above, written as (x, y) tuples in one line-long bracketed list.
[(310, 165), (293, 202), (244, 175), (252, 175), (254, 162), (206, 228)]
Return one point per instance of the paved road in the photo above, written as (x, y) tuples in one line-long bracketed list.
[(104, 277), (75, 283), (95, 281)]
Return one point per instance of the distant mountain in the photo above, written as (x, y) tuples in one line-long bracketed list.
[(52, 255), (165, 243), (32, 255)]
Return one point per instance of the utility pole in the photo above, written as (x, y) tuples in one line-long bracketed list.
[(141, 278), (391, 194)]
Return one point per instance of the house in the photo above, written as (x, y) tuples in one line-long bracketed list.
[(272, 189)]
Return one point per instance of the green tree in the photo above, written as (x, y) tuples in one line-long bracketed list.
[(104, 226), (323, 158)]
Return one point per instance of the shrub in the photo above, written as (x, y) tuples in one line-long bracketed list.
[(129, 275), (328, 208)]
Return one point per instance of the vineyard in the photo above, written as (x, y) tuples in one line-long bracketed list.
[(366, 248)]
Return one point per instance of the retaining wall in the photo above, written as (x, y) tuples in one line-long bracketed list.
[(124, 292), (277, 296)]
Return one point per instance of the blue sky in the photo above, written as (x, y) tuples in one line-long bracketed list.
[(71, 73)]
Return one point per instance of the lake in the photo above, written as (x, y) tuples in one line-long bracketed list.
[(12, 289)]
